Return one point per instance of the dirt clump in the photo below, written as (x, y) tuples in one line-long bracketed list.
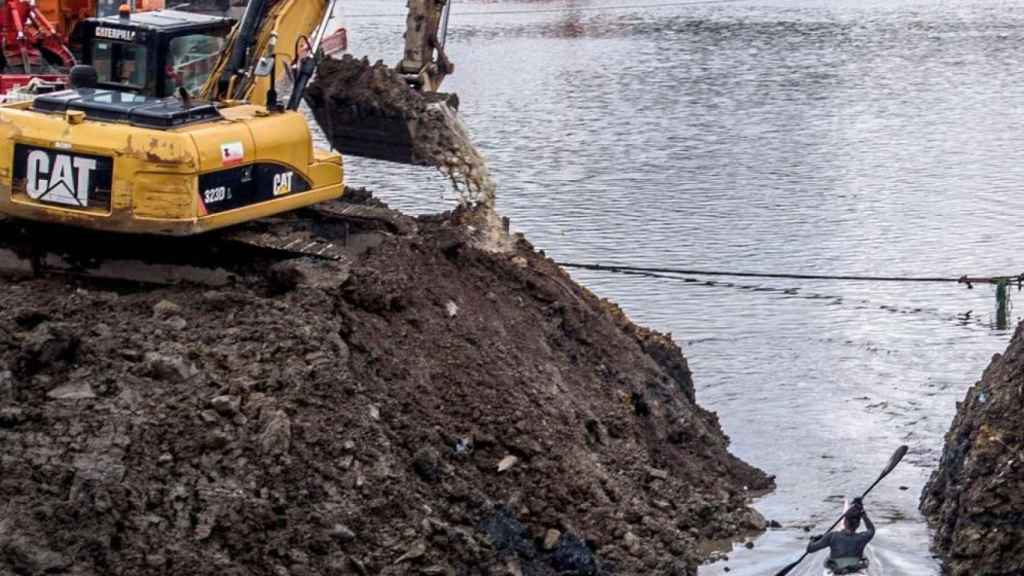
[(365, 107), (441, 409), (975, 498)]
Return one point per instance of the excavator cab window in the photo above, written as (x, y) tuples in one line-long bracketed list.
[(192, 59), (150, 52), (120, 63)]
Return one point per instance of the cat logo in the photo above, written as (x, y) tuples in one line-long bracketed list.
[(59, 178), (283, 183)]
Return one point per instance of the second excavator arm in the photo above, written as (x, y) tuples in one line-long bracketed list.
[(426, 28)]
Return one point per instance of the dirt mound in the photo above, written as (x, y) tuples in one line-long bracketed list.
[(975, 499), (370, 110), (439, 410)]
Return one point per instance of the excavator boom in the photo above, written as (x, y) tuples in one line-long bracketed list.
[(289, 24)]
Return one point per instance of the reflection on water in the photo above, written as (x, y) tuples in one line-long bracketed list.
[(828, 136)]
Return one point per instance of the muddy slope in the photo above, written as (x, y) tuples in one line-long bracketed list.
[(437, 410), (975, 499)]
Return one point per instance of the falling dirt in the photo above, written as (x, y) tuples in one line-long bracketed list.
[(975, 498), (350, 95), (436, 409)]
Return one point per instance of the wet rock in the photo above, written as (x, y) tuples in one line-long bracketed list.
[(755, 521)]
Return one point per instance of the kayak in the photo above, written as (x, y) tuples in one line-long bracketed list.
[(865, 566), (862, 569)]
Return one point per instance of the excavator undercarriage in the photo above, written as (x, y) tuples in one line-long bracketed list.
[(312, 246)]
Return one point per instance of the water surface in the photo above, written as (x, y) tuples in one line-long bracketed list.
[(831, 136)]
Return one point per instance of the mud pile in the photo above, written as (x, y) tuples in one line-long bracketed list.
[(975, 499), (370, 110), (436, 409)]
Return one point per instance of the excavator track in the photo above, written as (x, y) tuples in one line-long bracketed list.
[(322, 241)]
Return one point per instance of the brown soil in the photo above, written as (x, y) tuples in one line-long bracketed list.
[(350, 94), (975, 499), (438, 410)]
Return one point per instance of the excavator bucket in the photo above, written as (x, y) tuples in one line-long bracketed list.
[(370, 132)]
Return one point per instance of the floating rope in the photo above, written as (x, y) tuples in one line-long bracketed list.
[(1017, 279)]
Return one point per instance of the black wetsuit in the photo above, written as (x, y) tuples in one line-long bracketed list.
[(845, 546)]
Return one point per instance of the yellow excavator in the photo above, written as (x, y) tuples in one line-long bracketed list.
[(176, 128)]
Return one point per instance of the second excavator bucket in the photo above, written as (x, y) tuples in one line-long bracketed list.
[(370, 132)]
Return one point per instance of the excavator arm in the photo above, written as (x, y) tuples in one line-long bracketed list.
[(426, 27), (286, 25)]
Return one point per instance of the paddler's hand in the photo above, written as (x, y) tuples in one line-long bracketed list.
[(815, 537)]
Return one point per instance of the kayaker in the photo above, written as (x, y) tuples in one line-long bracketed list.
[(846, 546)]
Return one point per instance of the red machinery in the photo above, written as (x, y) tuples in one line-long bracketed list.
[(30, 47)]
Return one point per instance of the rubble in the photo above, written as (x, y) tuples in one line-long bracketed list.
[(356, 428)]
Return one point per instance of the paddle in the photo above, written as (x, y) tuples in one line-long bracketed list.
[(896, 457)]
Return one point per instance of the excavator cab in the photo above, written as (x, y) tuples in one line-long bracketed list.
[(153, 53)]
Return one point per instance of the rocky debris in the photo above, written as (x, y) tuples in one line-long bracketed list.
[(276, 437), (551, 538), (226, 404), (427, 464), (50, 345), (507, 463), (165, 309), (74, 391), (340, 428), (975, 498), (168, 367)]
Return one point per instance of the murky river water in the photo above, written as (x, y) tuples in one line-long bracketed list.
[(830, 136)]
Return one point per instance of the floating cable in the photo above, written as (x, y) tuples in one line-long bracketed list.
[(964, 279)]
